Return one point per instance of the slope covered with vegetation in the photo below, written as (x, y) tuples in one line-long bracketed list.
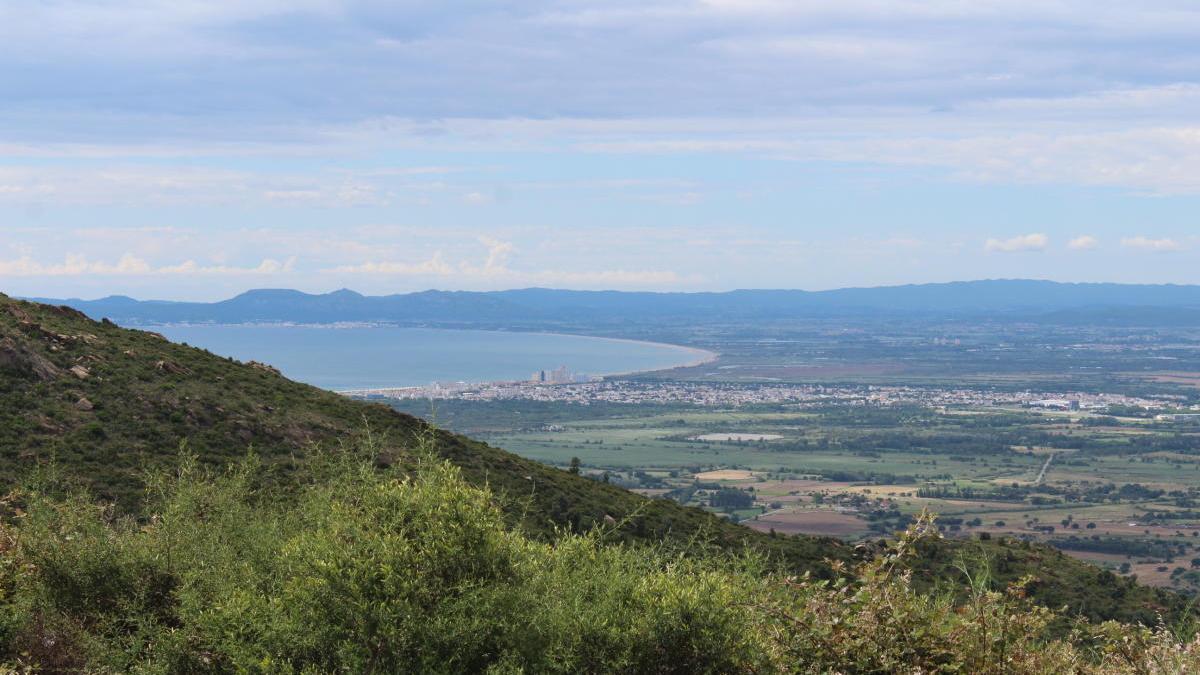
[(106, 404), (364, 570)]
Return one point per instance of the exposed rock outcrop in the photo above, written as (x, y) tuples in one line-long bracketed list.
[(170, 367), (263, 367), (17, 358)]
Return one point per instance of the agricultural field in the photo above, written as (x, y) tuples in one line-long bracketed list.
[(1122, 492), (853, 427)]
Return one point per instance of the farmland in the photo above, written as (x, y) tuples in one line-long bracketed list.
[(1082, 436), (1119, 491)]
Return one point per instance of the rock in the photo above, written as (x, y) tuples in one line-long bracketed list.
[(80, 372), (18, 313), (169, 367), (16, 357), (57, 340), (263, 367), (83, 404)]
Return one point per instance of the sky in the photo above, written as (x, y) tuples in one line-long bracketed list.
[(186, 149)]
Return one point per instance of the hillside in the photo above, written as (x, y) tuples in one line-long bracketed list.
[(1045, 301), (362, 569), (106, 403)]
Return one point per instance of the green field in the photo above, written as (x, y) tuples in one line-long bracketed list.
[(859, 473)]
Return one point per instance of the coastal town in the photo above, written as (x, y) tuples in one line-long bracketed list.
[(728, 394)]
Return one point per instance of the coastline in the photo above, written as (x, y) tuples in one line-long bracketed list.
[(705, 356), (698, 355)]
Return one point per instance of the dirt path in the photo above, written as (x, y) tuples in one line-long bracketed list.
[(1042, 474)]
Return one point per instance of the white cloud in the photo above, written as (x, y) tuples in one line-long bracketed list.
[(1161, 160), (1025, 242), (495, 271), (1084, 242), (434, 267), (279, 65), (321, 103), (115, 183), (498, 253), (77, 265), (1141, 138), (1163, 245), (348, 194), (466, 274)]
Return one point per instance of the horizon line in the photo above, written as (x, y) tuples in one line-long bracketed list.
[(119, 296)]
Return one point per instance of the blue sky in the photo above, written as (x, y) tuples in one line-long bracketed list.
[(187, 149)]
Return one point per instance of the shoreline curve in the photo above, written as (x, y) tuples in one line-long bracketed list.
[(700, 356)]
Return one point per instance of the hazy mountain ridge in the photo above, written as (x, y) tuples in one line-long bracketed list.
[(1024, 299)]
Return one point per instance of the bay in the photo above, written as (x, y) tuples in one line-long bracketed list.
[(378, 357)]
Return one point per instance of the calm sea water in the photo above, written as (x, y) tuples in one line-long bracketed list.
[(377, 357)]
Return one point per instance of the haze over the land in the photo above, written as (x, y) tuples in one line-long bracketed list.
[(193, 150)]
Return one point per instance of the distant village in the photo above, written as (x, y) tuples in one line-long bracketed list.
[(563, 386)]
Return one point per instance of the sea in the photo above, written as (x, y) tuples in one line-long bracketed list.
[(358, 357)]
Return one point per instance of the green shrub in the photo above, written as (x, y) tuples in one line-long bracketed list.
[(366, 570)]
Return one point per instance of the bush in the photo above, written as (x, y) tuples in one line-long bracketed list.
[(363, 570)]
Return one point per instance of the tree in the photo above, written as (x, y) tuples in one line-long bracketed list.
[(731, 498), (574, 466)]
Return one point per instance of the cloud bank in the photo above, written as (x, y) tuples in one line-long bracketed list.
[(75, 265), (1163, 245)]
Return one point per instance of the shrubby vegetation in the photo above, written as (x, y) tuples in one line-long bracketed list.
[(145, 396), (366, 570), (300, 559)]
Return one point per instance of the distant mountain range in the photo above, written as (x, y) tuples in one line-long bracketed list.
[(1028, 299)]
